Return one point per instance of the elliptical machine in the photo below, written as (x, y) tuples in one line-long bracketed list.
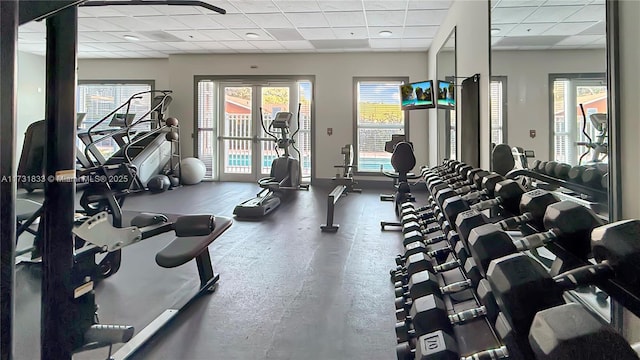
[(285, 174)]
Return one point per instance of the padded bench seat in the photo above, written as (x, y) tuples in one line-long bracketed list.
[(25, 208), (184, 249)]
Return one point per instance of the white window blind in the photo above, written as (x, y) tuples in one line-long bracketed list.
[(378, 116)]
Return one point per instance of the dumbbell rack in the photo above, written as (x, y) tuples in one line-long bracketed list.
[(565, 260), (474, 336)]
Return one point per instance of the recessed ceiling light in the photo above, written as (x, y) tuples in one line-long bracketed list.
[(495, 31), (385, 33), (131, 37), (251, 35)]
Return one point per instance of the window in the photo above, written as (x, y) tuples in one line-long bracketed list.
[(569, 91), (498, 109), (378, 116), (98, 98)]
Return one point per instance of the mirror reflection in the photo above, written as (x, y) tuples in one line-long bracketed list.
[(446, 73), (549, 98)]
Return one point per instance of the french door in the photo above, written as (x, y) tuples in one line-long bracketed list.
[(246, 150)]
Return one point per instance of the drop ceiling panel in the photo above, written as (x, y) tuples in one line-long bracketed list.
[(297, 6), (235, 21), (177, 10), (351, 33), (99, 24), (589, 13), (256, 7), (501, 29), (551, 14), (420, 31), (346, 18), (425, 17), (221, 35), (429, 4), (190, 35), (131, 10), (529, 29), (339, 6), (198, 21), (519, 3), (130, 23), (164, 22), (317, 33), (102, 11), (385, 18), (303, 20), (374, 5), (510, 15), (565, 28), (281, 25), (270, 20), (530, 40)]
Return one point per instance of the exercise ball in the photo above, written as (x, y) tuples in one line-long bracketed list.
[(192, 171), (158, 183), (171, 121)]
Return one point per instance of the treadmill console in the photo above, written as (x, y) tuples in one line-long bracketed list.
[(282, 120)]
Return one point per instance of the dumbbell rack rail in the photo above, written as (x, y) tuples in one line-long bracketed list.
[(598, 194)]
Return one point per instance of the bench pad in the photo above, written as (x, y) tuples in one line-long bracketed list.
[(183, 249)]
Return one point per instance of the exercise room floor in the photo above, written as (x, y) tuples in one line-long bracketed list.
[(286, 290)]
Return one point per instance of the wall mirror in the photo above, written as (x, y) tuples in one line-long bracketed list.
[(446, 71), (548, 95)]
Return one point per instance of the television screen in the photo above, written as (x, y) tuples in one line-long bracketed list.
[(417, 95), (446, 95)]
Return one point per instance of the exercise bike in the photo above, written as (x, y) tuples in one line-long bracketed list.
[(600, 147), (285, 174)]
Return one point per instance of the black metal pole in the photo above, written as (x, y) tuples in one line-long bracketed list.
[(58, 310), (8, 89)]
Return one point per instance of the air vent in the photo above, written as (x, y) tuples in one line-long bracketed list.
[(160, 36), (340, 44), (285, 34)]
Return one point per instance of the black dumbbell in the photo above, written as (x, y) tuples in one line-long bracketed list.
[(592, 177), (541, 166), (488, 186), (550, 168), (426, 283), (571, 332), (523, 287), (439, 345), (533, 204), (507, 195), (575, 174), (562, 171), (429, 313), (568, 224), (422, 262)]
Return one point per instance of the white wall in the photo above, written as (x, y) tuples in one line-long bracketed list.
[(471, 19), (527, 75), (333, 88), (31, 94)]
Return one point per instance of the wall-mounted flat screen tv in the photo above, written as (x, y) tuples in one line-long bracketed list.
[(417, 95), (446, 95)]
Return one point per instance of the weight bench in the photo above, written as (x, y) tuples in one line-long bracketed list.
[(27, 211), (194, 234)]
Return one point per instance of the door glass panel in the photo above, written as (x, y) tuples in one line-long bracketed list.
[(237, 117), (207, 142), (274, 99)]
